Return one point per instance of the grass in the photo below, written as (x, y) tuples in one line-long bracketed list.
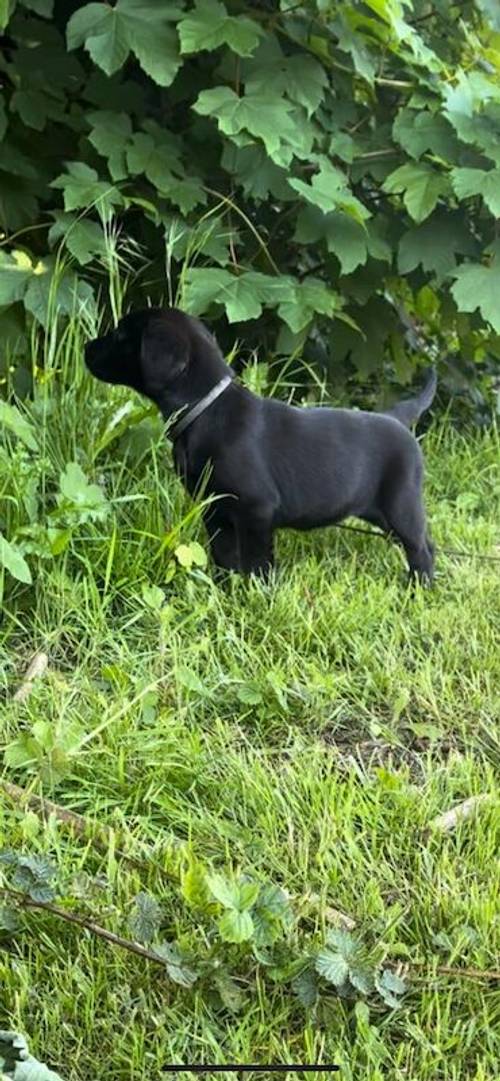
[(305, 732)]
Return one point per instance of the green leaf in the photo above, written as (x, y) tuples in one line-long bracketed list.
[(83, 238), (14, 562), (344, 236), (208, 25), (189, 555), (156, 153), (11, 418), (224, 891), (258, 175), (418, 132), (109, 34), (254, 113), (45, 8), (484, 182), (356, 46), (34, 875), (391, 987), (36, 107), (241, 295), (433, 245), (77, 495), (329, 191), (236, 926), (147, 918), (421, 187), (299, 76), (18, 1064), (305, 986), (478, 286), (232, 996), (194, 886), (16, 271), (249, 694), (110, 135), (81, 187), (299, 302), (332, 966), (178, 969)]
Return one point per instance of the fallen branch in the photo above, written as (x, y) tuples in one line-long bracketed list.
[(450, 819), (35, 669), (23, 901), (99, 836)]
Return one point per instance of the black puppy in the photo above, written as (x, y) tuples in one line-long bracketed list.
[(275, 464)]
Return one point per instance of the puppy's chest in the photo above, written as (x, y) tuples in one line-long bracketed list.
[(191, 467)]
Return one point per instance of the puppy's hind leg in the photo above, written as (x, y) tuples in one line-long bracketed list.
[(404, 511)]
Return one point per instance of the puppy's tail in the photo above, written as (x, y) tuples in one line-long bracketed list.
[(409, 411)]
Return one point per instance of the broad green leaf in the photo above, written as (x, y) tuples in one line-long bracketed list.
[(79, 495), (299, 76), (36, 107), (83, 238), (178, 969), (14, 562), (305, 986), (344, 236), (5, 9), (477, 286), (253, 112), (391, 987), (191, 555), (420, 185), (356, 46), (418, 132), (208, 25), (329, 191), (235, 926), (109, 34), (484, 182), (332, 966), (299, 302), (242, 295), (109, 135), (34, 875), (257, 173), (16, 1062), (11, 418), (233, 997), (82, 188), (146, 919), (433, 245), (224, 891), (45, 8), (16, 271)]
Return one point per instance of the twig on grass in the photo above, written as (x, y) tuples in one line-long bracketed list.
[(448, 821), (86, 924), (99, 836), (35, 669), (23, 901)]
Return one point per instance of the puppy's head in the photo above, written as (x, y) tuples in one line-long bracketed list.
[(160, 352)]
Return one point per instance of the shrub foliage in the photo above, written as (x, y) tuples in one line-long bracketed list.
[(305, 171)]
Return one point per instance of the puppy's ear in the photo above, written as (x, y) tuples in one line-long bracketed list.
[(165, 355)]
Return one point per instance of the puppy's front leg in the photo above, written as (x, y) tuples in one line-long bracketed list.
[(224, 544), (255, 538)]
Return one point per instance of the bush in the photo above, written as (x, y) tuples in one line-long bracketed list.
[(322, 179)]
